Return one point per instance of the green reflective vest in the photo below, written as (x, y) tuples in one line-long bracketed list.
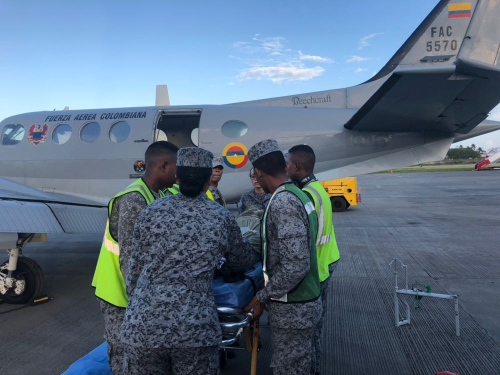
[(108, 279), (326, 244), (308, 289)]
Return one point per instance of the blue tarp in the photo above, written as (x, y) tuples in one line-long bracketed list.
[(94, 363)]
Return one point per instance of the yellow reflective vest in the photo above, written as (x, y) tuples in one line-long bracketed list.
[(326, 243), (210, 195), (175, 189), (108, 279)]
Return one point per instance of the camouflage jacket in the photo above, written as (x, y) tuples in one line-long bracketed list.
[(178, 242), (288, 262), (252, 198), (217, 195)]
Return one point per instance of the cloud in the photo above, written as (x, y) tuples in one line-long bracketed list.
[(239, 44), (279, 74), (231, 84), (268, 58), (360, 70), (272, 45), (275, 43), (357, 59), (318, 59), (363, 42)]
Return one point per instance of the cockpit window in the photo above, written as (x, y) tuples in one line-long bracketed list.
[(90, 132), (61, 134), (12, 134), (119, 132), (234, 129)]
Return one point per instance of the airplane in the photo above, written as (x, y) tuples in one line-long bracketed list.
[(60, 168)]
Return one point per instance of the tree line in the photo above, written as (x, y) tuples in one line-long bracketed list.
[(461, 152)]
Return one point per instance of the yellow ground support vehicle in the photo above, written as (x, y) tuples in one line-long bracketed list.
[(343, 193)]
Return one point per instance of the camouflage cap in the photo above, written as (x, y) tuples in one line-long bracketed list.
[(194, 157), (216, 162), (262, 148)]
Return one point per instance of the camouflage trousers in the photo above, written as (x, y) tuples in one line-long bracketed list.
[(175, 361), (318, 332), (113, 318), (292, 351)]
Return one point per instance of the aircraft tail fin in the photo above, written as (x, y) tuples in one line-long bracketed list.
[(444, 78), (439, 38), (482, 41), (162, 98)]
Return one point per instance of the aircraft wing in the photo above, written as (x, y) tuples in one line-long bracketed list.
[(449, 98), (27, 210)]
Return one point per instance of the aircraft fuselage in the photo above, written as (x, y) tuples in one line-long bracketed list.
[(62, 162)]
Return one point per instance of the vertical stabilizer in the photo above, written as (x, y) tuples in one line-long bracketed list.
[(482, 42), (162, 99), (438, 39)]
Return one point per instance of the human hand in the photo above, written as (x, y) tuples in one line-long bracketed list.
[(257, 307)]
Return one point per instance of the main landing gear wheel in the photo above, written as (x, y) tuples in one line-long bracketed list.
[(28, 281), (339, 204)]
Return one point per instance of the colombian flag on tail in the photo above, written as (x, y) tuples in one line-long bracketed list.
[(459, 10)]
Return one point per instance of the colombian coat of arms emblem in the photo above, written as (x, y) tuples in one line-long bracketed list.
[(37, 133)]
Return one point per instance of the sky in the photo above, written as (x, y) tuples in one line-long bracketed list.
[(111, 54)]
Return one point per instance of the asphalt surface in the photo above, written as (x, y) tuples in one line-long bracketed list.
[(444, 226)]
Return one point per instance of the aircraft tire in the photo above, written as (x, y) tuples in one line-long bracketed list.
[(37, 270), (29, 271), (339, 204)]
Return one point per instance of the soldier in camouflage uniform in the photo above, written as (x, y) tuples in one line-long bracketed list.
[(217, 170), (289, 262), (255, 197), (160, 161), (171, 324), (300, 162)]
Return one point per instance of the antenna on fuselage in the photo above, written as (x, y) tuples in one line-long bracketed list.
[(162, 98)]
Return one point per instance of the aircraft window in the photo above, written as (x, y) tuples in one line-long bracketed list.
[(90, 132), (12, 134), (234, 129), (61, 134), (119, 132), (160, 135), (194, 136)]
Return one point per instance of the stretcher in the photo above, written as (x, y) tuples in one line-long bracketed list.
[(231, 298)]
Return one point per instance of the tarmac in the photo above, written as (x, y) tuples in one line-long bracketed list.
[(444, 226)]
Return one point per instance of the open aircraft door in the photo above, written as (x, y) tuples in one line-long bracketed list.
[(178, 126)]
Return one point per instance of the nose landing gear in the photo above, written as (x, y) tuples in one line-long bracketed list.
[(21, 278)]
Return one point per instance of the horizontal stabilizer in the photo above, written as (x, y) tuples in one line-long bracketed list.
[(448, 98), (485, 127)]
